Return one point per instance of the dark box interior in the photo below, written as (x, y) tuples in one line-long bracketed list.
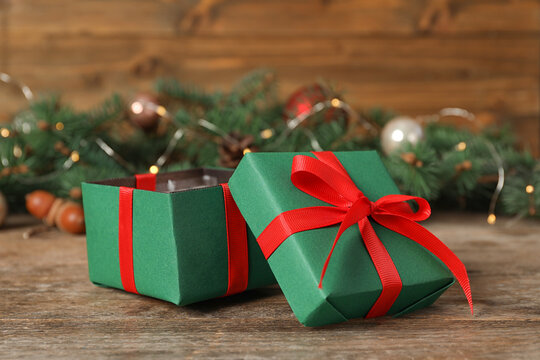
[(183, 180)]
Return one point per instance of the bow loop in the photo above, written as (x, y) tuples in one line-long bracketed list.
[(397, 205), (323, 181)]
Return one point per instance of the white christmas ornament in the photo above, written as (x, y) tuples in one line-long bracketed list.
[(398, 132)]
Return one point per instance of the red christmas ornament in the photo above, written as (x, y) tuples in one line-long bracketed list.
[(66, 215), (302, 102), (143, 111)]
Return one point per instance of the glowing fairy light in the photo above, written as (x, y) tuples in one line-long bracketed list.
[(461, 146), (17, 151), (75, 157), (137, 107), (267, 133)]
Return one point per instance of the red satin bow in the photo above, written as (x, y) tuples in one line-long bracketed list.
[(326, 179)]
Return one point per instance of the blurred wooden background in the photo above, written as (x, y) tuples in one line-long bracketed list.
[(414, 56)]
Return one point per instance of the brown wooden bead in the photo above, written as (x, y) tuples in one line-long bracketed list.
[(411, 159), (408, 157), (465, 165), (50, 218), (43, 125), (75, 193), (39, 202), (70, 218)]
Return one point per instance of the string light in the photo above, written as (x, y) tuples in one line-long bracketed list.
[(154, 169), (335, 102), (17, 151), (7, 79), (267, 133), (246, 150), (137, 107), (161, 111), (491, 219), (59, 126), (461, 146), (75, 157), (4, 132), (529, 189)]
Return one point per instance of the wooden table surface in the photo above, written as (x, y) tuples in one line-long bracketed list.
[(49, 309)]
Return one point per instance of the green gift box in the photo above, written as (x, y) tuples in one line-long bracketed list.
[(178, 237), (262, 188)]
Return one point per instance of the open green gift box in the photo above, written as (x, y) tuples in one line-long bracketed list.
[(180, 249), (295, 214), (178, 245)]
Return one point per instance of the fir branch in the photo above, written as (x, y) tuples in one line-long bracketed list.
[(185, 93)]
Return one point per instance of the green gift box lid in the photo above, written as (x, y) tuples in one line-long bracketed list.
[(262, 189), (179, 236)]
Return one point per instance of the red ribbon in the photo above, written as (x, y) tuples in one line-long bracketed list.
[(146, 182), (125, 228), (125, 239), (237, 247), (326, 179)]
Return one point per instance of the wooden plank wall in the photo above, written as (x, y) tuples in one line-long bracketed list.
[(415, 56)]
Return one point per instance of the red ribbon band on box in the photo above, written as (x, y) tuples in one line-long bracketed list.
[(326, 179), (237, 248), (125, 239), (145, 182)]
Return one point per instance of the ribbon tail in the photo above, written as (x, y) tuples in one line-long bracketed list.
[(422, 236), (344, 226), (359, 210), (386, 269)]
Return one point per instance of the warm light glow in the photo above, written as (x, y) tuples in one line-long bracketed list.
[(75, 156), (247, 150), (161, 111), (461, 146), (137, 107), (17, 151), (4, 132), (529, 189), (397, 135), (335, 102), (491, 219), (267, 133), (154, 169), (59, 126)]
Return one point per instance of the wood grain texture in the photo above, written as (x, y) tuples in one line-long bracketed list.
[(49, 309), (412, 56)]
